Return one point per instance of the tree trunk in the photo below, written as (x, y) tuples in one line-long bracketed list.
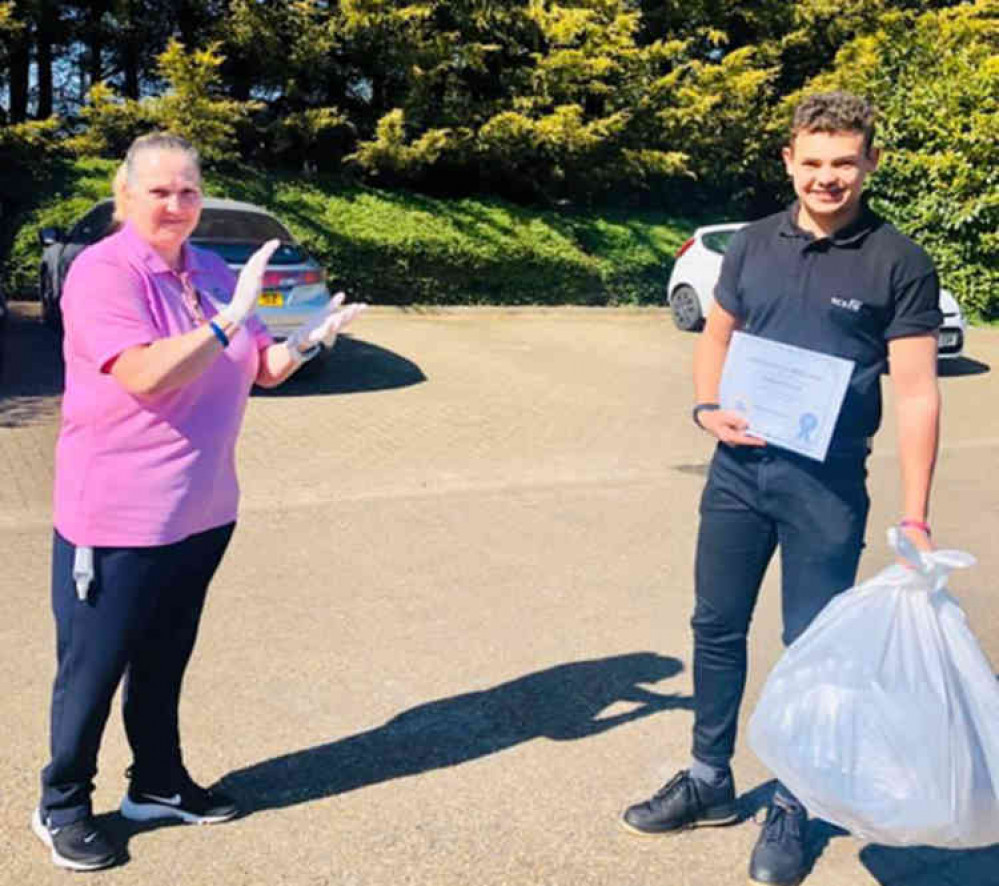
[(50, 38), (188, 21), (94, 38), (44, 62), (134, 29), (95, 65), (20, 58), (240, 78), (130, 68)]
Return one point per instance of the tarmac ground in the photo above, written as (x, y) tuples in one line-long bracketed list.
[(450, 640)]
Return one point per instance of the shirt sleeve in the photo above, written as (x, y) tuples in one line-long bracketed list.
[(105, 310), (727, 291), (916, 307), (258, 329)]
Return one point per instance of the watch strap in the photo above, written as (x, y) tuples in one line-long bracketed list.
[(703, 407)]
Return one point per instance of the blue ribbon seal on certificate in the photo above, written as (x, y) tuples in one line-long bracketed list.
[(807, 424), (792, 396)]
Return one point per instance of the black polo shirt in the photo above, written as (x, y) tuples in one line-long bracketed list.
[(845, 295)]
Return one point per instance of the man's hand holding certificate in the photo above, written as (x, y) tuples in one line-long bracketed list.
[(729, 427), (789, 396)]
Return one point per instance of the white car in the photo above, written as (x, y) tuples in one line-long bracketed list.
[(698, 263)]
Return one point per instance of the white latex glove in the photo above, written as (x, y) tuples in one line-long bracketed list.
[(248, 286), (323, 327)]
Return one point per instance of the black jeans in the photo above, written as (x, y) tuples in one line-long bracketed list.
[(140, 620), (755, 500)]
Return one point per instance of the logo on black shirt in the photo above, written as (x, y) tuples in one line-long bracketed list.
[(849, 304)]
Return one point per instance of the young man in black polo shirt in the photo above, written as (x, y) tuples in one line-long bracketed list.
[(828, 275)]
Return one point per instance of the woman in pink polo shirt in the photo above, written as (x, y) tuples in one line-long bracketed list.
[(157, 379)]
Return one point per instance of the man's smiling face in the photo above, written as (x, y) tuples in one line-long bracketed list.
[(828, 170)]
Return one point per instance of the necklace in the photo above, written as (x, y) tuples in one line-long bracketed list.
[(191, 298)]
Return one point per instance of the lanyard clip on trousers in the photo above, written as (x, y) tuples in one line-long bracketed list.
[(83, 571)]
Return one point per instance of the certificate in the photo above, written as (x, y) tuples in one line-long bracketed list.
[(791, 396)]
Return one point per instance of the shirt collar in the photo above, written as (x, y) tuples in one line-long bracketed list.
[(192, 261), (854, 232)]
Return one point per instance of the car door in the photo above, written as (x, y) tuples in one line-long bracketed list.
[(89, 229), (715, 243)]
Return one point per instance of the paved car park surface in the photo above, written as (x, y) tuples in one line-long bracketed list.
[(449, 641)]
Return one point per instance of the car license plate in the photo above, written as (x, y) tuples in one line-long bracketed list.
[(948, 339), (271, 299)]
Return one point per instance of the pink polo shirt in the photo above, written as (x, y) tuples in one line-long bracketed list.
[(142, 471)]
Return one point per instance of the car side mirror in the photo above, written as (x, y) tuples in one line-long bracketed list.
[(48, 236)]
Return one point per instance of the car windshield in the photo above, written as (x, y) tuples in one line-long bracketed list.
[(235, 234), (239, 253), (717, 241), (236, 224)]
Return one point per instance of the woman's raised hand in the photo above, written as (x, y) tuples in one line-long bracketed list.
[(323, 327), (249, 285)]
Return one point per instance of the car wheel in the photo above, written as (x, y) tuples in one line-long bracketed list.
[(686, 308), (50, 313)]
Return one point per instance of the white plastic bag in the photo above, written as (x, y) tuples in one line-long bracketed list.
[(883, 717)]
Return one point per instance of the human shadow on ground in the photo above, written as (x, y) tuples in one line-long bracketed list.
[(756, 800), (696, 470), (353, 366), (561, 703), (891, 866), (121, 830), (960, 366), (33, 375)]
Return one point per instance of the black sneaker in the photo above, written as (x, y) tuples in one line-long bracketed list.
[(184, 800), (80, 846), (683, 802), (779, 857)]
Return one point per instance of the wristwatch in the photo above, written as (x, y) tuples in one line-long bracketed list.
[(703, 407)]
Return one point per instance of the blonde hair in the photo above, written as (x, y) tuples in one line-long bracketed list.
[(118, 184)]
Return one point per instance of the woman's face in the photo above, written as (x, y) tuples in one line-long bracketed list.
[(163, 199)]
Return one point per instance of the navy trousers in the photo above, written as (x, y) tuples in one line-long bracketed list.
[(140, 621), (755, 500)]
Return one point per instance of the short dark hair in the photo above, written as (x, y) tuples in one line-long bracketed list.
[(835, 112)]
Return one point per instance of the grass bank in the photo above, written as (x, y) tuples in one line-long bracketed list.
[(395, 247)]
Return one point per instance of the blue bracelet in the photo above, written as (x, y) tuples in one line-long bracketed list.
[(219, 334)]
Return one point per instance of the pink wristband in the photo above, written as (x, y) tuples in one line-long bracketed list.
[(916, 524)]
